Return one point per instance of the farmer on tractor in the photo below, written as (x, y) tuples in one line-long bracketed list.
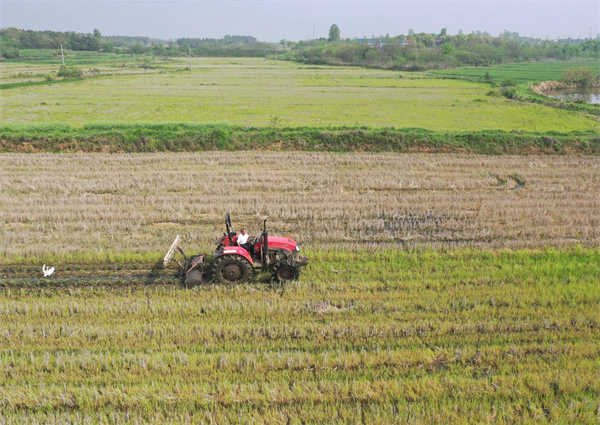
[(242, 240)]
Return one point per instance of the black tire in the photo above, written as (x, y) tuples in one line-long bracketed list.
[(233, 269), (285, 271)]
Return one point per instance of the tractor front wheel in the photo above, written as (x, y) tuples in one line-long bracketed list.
[(285, 271), (233, 269)]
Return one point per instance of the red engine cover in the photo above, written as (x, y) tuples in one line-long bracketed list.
[(279, 242)]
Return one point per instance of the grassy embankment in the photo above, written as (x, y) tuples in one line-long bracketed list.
[(186, 137), (388, 337)]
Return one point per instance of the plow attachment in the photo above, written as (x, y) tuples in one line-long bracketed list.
[(194, 269), (196, 274), (171, 252)]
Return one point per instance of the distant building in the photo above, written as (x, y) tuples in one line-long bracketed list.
[(378, 42), (373, 42)]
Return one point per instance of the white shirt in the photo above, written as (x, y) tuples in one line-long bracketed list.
[(242, 239)]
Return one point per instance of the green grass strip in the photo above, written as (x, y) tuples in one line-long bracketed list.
[(37, 83), (190, 137)]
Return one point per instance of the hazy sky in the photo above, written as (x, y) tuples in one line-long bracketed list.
[(294, 20)]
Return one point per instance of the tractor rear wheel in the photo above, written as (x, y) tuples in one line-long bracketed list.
[(233, 269), (284, 271)]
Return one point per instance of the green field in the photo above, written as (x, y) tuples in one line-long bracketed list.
[(80, 58), (363, 337), (528, 72), (255, 92)]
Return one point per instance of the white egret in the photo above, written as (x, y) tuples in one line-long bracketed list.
[(47, 272)]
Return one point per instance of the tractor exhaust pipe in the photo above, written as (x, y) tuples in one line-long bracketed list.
[(265, 248), (228, 227)]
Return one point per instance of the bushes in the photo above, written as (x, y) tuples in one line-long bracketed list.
[(70, 71), (581, 77), (508, 89), (10, 53)]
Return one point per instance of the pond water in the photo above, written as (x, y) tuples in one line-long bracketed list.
[(587, 96)]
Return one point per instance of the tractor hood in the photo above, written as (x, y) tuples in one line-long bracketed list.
[(279, 242)]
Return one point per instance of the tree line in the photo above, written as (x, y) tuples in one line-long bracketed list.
[(13, 40), (424, 51), (411, 52)]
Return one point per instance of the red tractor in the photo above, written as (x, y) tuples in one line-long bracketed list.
[(234, 264)]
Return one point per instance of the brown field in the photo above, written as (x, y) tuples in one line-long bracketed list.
[(72, 204)]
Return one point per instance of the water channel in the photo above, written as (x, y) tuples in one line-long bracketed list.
[(579, 95)]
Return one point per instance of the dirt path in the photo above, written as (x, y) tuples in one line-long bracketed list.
[(78, 275)]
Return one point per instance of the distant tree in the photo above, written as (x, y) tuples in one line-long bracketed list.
[(97, 34), (460, 39), (592, 47), (107, 47), (443, 32), (334, 33), (513, 50), (448, 48), (137, 49), (510, 36), (427, 39), (244, 39), (83, 42), (126, 41)]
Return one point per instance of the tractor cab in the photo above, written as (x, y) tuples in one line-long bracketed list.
[(229, 242), (229, 238)]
